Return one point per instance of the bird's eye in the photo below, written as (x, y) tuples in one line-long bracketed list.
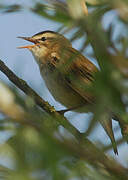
[(43, 38)]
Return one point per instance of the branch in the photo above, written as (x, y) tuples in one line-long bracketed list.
[(84, 149), (22, 85)]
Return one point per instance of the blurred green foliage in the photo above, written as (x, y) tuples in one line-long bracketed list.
[(38, 149)]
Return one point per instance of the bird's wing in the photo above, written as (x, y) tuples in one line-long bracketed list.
[(78, 73)]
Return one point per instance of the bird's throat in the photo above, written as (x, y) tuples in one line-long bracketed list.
[(39, 54)]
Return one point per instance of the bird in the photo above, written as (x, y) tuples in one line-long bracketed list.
[(66, 72)]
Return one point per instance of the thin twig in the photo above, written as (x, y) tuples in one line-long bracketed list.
[(22, 85)]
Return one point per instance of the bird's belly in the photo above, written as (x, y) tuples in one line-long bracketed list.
[(61, 92)]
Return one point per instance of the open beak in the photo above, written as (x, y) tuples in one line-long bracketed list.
[(35, 41)]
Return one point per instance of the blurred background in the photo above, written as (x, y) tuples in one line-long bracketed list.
[(27, 23)]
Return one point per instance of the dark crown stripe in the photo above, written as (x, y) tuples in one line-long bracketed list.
[(43, 32)]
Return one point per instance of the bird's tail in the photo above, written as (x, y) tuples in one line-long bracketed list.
[(107, 125)]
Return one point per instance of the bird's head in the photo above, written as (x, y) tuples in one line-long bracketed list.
[(45, 41)]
